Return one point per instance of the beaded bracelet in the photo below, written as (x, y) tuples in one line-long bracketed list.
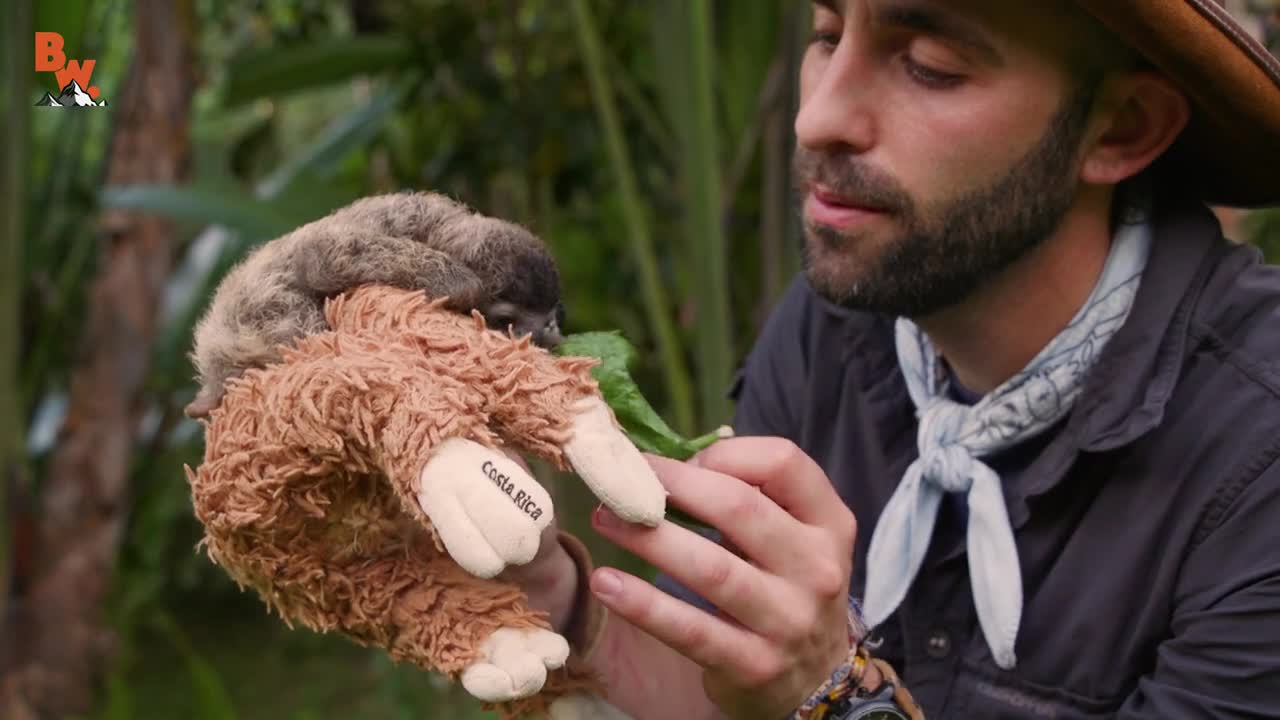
[(833, 696)]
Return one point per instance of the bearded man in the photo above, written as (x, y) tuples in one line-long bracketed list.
[(1023, 356)]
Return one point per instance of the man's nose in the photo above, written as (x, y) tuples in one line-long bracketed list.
[(837, 108)]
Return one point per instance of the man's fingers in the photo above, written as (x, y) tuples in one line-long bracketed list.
[(707, 640), (783, 472), (753, 597), (751, 522)]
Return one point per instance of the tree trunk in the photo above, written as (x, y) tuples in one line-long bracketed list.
[(83, 502)]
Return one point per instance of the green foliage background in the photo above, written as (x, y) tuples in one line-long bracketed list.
[(628, 135), (636, 138)]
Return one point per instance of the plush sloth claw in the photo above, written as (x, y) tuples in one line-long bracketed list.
[(514, 664), (612, 466), (488, 511)]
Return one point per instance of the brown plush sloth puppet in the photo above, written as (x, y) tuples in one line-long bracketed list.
[(362, 484)]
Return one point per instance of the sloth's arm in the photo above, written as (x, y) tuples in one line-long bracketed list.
[(336, 257)]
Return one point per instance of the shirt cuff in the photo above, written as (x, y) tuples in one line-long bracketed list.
[(588, 617)]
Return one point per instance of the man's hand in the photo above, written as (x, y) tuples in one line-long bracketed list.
[(783, 599)]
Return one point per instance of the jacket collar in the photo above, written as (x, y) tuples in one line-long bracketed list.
[(1126, 392)]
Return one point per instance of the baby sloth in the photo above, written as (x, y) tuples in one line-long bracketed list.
[(411, 241)]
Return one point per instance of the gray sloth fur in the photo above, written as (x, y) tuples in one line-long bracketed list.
[(411, 241)]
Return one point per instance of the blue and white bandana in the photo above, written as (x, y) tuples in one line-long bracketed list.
[(952, 437)]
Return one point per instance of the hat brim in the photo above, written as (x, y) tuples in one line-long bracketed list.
[(1230, 152)]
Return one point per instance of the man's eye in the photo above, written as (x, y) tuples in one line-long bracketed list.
[(825, 39), (930, 77)]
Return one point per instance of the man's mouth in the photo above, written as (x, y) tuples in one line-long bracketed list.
[(822, 206)]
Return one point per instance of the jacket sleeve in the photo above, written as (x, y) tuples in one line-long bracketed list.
[(1223, 659)]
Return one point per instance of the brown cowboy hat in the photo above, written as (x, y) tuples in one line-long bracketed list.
[(1230, 152)]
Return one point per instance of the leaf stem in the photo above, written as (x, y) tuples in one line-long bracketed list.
[(702, 442)]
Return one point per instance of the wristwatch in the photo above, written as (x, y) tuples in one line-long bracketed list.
[(879, 706), (890, 701), (844, 696)]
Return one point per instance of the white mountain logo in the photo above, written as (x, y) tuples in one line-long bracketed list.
[(72, 96)]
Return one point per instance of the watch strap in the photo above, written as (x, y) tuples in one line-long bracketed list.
[(901, 696)]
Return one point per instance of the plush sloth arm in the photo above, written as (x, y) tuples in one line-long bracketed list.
[(430, 397), (487, 511)]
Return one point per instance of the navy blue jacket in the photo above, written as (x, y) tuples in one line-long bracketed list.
[(1147, 524)]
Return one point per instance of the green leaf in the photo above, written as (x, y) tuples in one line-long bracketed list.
[(639, 421), (642, 424), (275, 72)]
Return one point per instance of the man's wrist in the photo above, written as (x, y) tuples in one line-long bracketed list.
[(859, 684), (864, 687)]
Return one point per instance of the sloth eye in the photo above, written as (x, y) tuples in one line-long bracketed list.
[(499, 314)]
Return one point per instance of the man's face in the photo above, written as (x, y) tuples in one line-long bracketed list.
[(937, 144)]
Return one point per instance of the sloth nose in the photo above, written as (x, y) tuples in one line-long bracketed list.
[(548, 336)]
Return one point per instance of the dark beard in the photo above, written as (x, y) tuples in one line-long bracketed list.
[(944, 255)]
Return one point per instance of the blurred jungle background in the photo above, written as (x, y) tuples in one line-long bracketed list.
[(647, 142)]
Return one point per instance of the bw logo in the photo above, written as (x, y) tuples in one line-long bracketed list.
[(73, 75)]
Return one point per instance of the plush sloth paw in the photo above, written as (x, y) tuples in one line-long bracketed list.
[(612, 466), (488, 511), (515, 664)]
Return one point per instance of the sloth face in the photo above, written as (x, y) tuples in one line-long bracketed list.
[(542, 325)]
